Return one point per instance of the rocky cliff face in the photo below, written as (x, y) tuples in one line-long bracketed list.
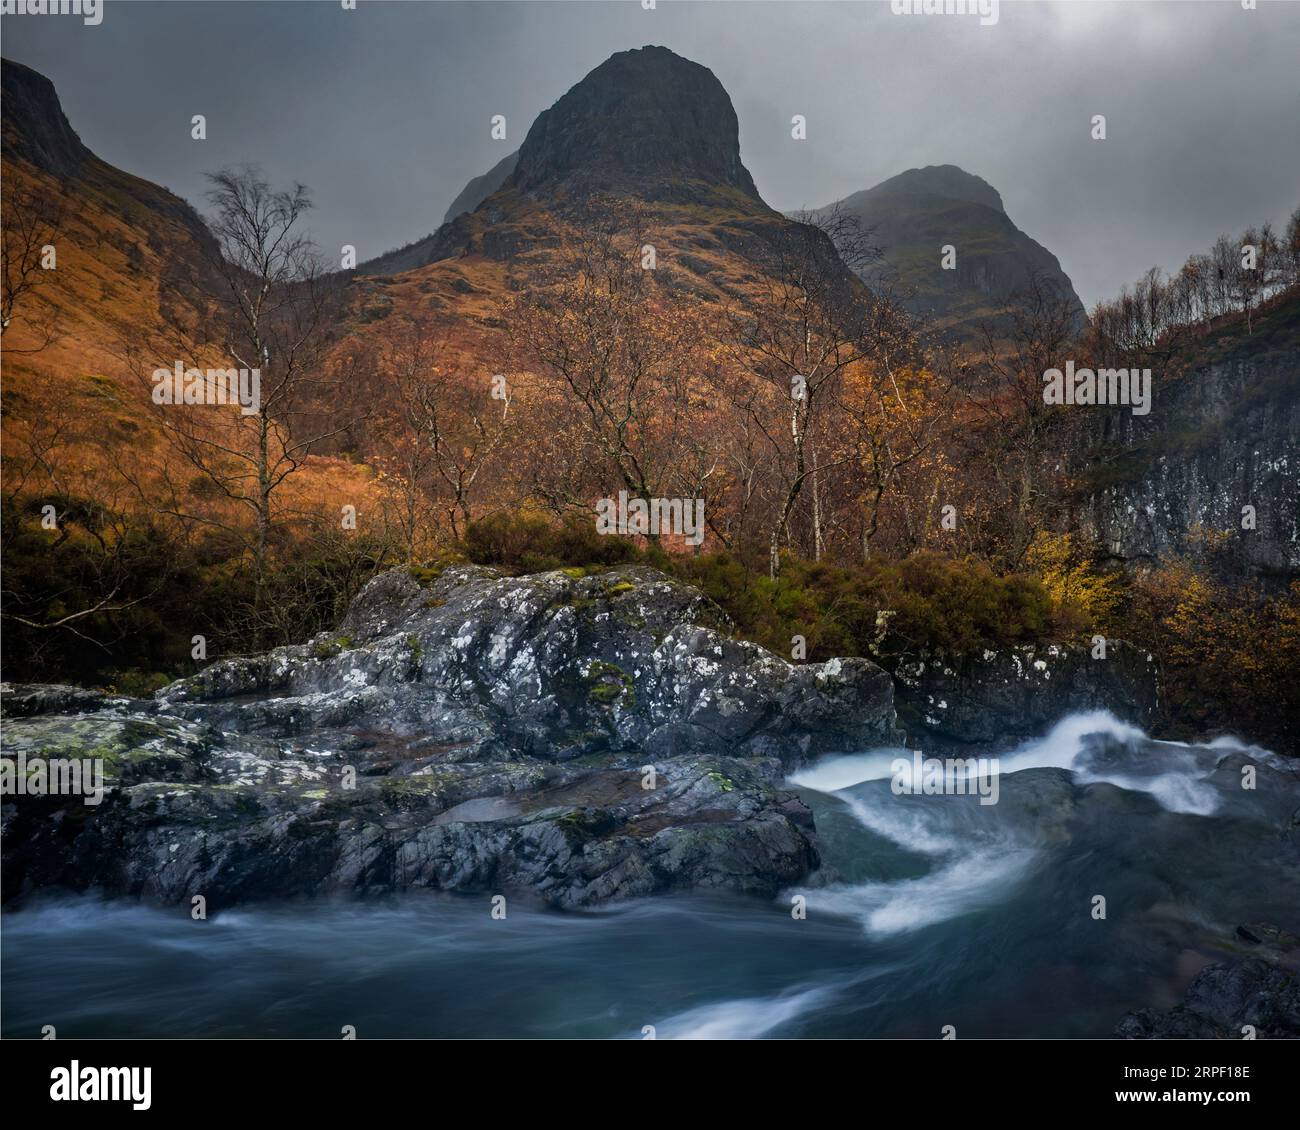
[(478, 733), (38, 139), (1022, 692), (647, 127), (35, 128), (646, 119), (1221, 437), (912, 216)]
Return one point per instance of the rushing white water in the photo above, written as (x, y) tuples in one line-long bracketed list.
[(958, 886), (1175, 779), (970, 868), (834, 773), (976, 865), (741, 1019), (946, 911)]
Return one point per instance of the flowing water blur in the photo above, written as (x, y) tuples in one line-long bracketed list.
[(934, 911)]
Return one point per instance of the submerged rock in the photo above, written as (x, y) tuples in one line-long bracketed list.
[(1257, 996), (584, 738)]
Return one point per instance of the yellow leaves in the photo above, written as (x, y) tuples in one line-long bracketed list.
[(1229, 650), (1071, 579)]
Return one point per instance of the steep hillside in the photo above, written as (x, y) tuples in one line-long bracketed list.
[(913, 216), (646, 128), (1220, 436), (127, 250), (481, 187), (133, 260)]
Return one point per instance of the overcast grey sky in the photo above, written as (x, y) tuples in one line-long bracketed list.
[(385, 111)]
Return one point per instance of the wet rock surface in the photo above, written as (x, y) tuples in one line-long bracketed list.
[(1023, 691), (1258, 995), (465, 731)]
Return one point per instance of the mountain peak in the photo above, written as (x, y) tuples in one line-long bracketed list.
[(38, 137), (948, 181), (645, 119), (36, 129), (912, 215)]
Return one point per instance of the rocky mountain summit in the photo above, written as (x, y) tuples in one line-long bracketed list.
[(648, 118), (582, 738), (911, 217), (645, 128)]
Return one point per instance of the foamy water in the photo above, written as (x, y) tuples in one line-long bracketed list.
[(945, 912)]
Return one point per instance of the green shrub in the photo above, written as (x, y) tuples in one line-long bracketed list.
[(530, 543), (137, 684), (173, 589)]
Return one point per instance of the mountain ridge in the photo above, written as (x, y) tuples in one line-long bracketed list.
[(481, 187), (646, 124), (916, 214), (46, 143), (950, 181)]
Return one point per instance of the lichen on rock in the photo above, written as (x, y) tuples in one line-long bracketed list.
[(464, 730)]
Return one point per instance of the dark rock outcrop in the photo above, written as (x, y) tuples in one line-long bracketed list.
[(1221, 437), (478, 733), (38, 136), (36, 129), (24, 700), (646, 127), (1259, 995), (1023, 691), (645, 118), (554, 665)]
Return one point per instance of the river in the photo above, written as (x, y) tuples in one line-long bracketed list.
[(935, 911)]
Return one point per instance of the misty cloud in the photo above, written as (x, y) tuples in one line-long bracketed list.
[(385, 111)]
